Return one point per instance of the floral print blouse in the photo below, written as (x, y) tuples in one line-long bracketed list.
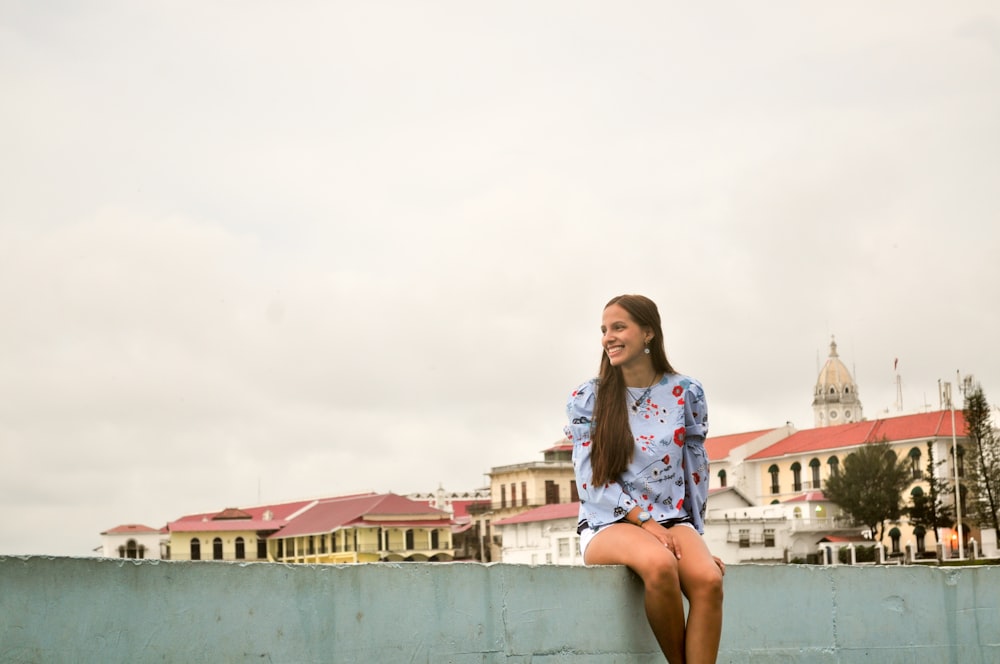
[(668, 476)]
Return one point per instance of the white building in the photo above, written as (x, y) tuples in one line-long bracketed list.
[(543, 536), (133, 540)]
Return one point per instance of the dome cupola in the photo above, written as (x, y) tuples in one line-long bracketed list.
[(835, 399)]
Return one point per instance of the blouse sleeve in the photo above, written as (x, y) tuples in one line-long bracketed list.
[(695, 457), (603, 505)]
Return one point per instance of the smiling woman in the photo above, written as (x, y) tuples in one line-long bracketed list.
[(638, 435)]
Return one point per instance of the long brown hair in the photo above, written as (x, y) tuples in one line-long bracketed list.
[(612, 436)]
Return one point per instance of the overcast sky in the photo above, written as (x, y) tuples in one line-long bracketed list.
[(260, 251)]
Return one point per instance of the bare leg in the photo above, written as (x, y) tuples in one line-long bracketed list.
[(626, 544), (701, 581)]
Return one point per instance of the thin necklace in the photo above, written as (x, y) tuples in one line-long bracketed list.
[(642, 397)]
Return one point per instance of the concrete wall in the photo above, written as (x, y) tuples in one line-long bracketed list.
[(96, 610)]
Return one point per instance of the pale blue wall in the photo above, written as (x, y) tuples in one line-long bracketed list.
[(94, 610)]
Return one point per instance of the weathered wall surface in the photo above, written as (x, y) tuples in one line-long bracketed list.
[(99, 610)]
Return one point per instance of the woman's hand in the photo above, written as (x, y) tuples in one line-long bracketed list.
[(663, 534)]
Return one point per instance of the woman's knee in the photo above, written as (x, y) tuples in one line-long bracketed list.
[(705, 585), (661, 573)]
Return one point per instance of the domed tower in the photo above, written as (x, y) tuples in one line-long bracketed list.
[(835, 400)]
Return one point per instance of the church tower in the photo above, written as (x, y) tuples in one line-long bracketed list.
[(835, 399)]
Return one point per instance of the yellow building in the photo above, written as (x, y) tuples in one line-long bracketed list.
[(363, 529), (802, 462), (347, 529), (520, 487)]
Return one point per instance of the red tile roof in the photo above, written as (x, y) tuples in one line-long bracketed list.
[(461, 507), (279, 514), (935, 424), (807, 497), (385, 509), (719, 447), (561, 446), (136, 528), (543, 513)]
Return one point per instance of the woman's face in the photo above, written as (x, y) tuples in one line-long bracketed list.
[(623, 339)]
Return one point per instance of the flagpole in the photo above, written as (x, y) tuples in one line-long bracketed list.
[(958, 487)]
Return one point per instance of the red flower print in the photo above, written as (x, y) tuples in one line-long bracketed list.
[(586, 444), (584, 485), (678, 390), (680, 402), (680, 503), (679, 436), (697, 478), (666, 459)]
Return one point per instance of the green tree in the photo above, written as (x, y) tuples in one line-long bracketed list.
[(984, 472), (870, 486), (928, 508)]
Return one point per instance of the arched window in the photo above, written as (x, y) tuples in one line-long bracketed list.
[(918, 535), (217, 548), (834, 464), (914, 456), (773, 470), (195, 549), (796, 476), (241, 551), (894, 536), (722, 477), (132, 549), (814, 468)]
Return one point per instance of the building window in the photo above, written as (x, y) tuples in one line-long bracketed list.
[(409, 536), (133, 550), (281, 549), (769, 537), (814, 468), (551, 493), (312, 545), (513, 494), (834, 464), (744, 538), (524, 494), (796, 476), (564, 547), (722, 478), (773, 470), (894, 536), (195, 549), (915, 471), (261, 548), (435, 539), (503, 496), (918, 535), (217, 548), (241, 551), (322, 543), (574, 494)]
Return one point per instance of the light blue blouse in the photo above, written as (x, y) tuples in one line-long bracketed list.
[(668, 476)]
